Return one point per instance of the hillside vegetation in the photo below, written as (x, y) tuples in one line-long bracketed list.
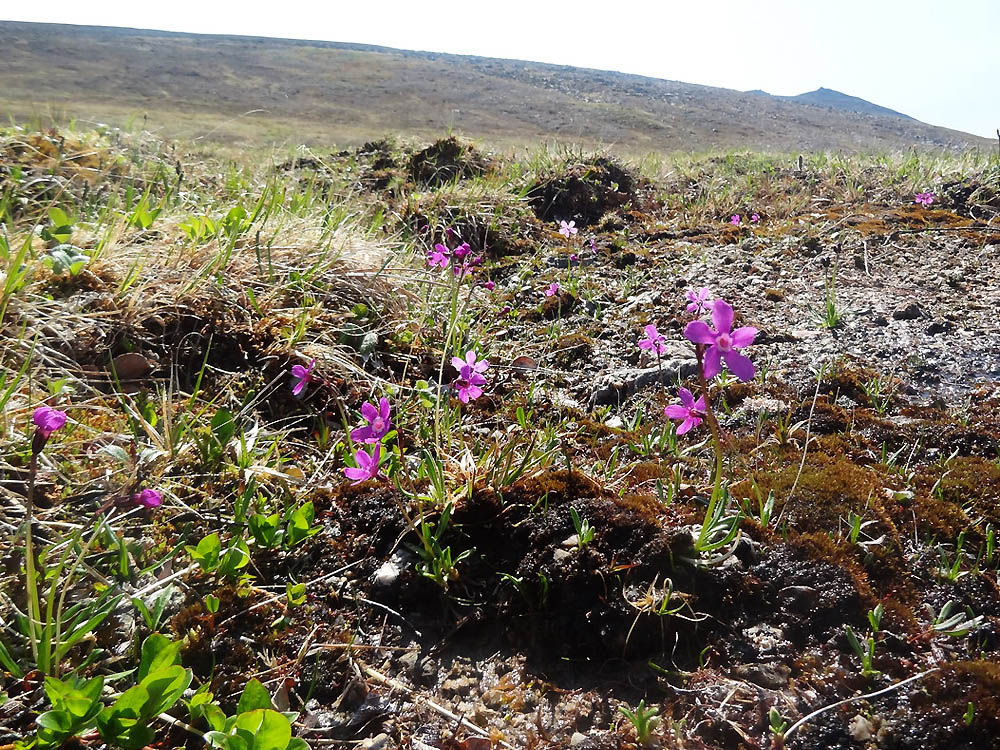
[(251, 90)]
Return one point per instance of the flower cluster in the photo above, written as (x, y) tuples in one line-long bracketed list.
[(460, 258), (470, 380), (715, 346), (925, 198)]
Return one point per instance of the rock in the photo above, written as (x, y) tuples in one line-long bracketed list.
[(561, 554), (774, 295), (861, 729), (938, 326), (909, 311), (378, 742), (387, 573), (616, 387), (880, 320), (459, 685), (577, 739)]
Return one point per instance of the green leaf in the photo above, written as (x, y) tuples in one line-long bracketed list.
[(269, 729), (223, 427), (56, 721), (206, 554), (158, 652), (254, 696), (165, 688)]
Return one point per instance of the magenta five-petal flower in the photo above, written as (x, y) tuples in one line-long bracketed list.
[(489, 285), (148, 499), (367, 466), (925, 198), (48, 420), (700, 301), (470, 378), (439, 256), (378, 422), (470, 387), (735, 219), (689, 410), (723, 342), (552, 289), (567, 229), (654, 341), (302, 377), (754, 218), (470, 364)]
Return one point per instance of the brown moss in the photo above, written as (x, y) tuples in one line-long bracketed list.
[(572, 349), (973, 484), (828, 489)]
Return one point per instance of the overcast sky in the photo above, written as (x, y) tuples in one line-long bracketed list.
[(937, 60)]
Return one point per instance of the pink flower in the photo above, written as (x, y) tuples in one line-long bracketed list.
[(755, 218), (469, 364), (567, 229), (378, 423), (654, 340), (552, 289), (438, 256), (148, 499), (925, 199), (462, 250), (593, 245), (468, 263), (470, 379), (47, 420), (735, 219), (470, 388), (488, 285), (699, 302), (723, 342), (367, 466), (573, 258), (302, 377), (689, 410)]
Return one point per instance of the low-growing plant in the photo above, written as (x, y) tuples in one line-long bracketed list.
[(643, 719)]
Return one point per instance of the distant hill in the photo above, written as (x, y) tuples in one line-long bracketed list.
[(254, 89), (822, 97)]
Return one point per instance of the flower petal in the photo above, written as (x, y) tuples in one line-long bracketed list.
[(744, 336), (299, 387), (458, 363), (686, 397), (722, 316), (699, 405), (369, 412), (383, 407), (698, 332), (686, 425), (298, 371), (739, 365), (358, 475), (713, 365), (676, 411)]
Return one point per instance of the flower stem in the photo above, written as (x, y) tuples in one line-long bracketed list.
[(31, 583), (713, 426)]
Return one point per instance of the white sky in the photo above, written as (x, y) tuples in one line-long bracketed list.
[(936, 60)]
